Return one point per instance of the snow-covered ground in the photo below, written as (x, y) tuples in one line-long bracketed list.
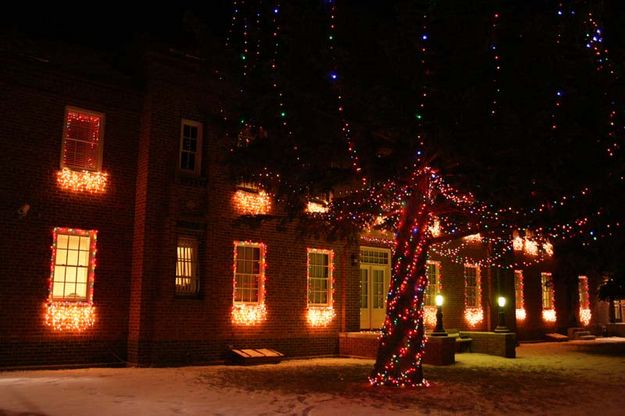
[(545, 379)]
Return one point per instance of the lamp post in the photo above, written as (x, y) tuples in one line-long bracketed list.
[(439, 331), (501, 324)]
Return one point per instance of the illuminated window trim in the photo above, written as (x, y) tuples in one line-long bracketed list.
[(187, 266), (585, 314), (548, 296), (320, 314), (65, 314), (430, 300), (100, 152), (473, 314), (519, 295), (250, 313), (198, 149)]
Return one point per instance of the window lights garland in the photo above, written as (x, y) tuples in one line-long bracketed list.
[(250, 313), (319, 315), (548, 295), (66, 315), (473, 312), (519, 295), (584, 301), (251, 202), (82, 181)]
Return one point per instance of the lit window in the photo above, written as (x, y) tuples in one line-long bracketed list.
[(190, 147), (82, 140), (73, 261), (433, 288), (584, 301), (472, 286), (320, 276), (249, 273), (518, 295), (249, 283), (187, 274), (547, 290), (548, 296)]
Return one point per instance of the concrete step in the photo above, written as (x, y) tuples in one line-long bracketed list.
[(580, 334), (556, 337), (587, 337)]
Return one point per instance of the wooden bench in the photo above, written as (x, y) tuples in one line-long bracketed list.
[(250, 356)]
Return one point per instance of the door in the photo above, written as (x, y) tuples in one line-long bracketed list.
[(374, 283)]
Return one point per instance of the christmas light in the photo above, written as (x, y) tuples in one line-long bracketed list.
[(473, 316), (316, 208), (65, 314), (82, 181), (251, 201), (519, 296), (320, 311), (473, 312), (70, 316), (249, 312), (548, 295), (320, 316), (584, 301), (429, 316)]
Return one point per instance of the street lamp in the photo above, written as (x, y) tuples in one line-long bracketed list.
[(439, 331), (501, 325)]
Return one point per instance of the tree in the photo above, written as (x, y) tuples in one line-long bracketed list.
[(365, 139)]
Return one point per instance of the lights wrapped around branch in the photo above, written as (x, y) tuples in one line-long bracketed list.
[(82, 181)]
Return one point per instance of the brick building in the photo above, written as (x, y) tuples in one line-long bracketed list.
[(121, 242)]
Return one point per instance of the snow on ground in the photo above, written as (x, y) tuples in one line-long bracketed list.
[(544, 379)]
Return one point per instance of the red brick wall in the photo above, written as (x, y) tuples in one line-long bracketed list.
[(35, 94)]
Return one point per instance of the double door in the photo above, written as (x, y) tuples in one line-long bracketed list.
[(374, 284)]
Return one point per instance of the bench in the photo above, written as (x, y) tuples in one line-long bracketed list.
[(250, 356)]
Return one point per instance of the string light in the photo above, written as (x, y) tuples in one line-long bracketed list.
[(319, 315), (549, 311), (519, 295), (82, 181), (585, 314), (65, 315), (251, 201), (250, 314)]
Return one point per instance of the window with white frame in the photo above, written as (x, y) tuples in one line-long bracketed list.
[(249, 273), (433, 288), (320, 265), (187, 266), (518, 289), (584, 295), (472, 286), (73, 261), (190, 158), (547, 290), (82, 140)]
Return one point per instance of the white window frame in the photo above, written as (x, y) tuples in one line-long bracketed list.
[(197, 168), (329, 278), (519, 282), (260, 275), (71, 109), (187, 266), (477, 287), (548, 293), (434, 287), (60, 263)]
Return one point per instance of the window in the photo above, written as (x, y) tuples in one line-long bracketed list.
[(251, 199), (584, 298), (374, 257), (434, 284), (547, 290), (73, 261), (82, 140), (187, 274), (518, 289), (618, 311), (190, 147), (249, 274), (472, 286), (320, 268)]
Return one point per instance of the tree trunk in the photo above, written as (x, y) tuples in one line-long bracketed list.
[(402, 341)]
